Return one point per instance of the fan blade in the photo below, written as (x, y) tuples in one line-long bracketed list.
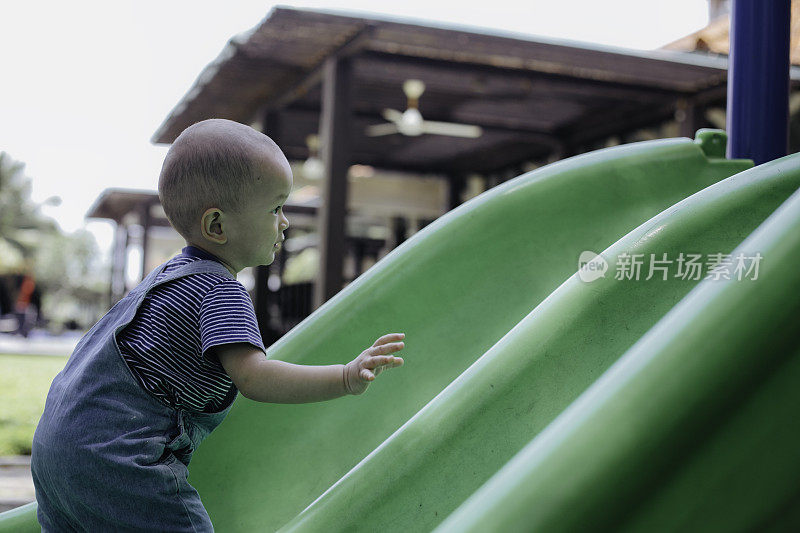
[(452, 129), (376, 130), (392, 115)]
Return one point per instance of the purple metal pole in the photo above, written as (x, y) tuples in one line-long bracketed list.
[(758, 80)]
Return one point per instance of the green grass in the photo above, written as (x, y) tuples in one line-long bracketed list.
[(24, 382)]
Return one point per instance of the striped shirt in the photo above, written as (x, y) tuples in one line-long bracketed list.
[(166, 344)]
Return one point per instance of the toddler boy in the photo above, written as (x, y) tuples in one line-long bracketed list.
[(162, 368)]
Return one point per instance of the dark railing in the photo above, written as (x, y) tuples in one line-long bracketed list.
[(295, 303)]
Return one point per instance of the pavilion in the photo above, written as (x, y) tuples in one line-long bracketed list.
[(302, 72)]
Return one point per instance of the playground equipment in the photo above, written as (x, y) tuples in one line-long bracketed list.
[(531, 399)]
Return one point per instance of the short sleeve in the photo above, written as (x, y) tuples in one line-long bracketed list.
[(227, 316)]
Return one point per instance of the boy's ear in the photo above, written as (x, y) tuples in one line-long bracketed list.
[(211, 226)]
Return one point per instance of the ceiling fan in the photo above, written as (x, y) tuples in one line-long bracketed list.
[(411, 123)]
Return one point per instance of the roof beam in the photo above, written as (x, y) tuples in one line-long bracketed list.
[(471, 79)]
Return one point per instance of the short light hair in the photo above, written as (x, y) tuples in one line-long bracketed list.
[(210, 164)]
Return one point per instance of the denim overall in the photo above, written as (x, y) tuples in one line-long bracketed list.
[(107, 455)]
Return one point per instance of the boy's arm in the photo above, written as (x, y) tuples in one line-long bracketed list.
[(270, 380)]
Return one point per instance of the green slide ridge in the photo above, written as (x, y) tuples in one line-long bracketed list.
[(693, 429), (491, 411), (20, 520), (455, 288)]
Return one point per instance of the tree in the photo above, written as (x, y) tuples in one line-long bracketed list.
[(68, 269), (21, 220)]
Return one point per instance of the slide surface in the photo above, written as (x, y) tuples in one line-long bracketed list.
[(695, 426), (502, 337)]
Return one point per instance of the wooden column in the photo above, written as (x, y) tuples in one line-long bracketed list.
[(399, 230), (456, 183), (358, 253), (119, 258), (145, 221), (262, 296), (335, 131), (119, 262), (688, 116)]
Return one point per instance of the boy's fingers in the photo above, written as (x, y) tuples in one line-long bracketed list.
[(387, 348), (367, 375), (389, 337), (380, 360)]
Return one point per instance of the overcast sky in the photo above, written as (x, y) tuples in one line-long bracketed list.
[(86, 84)]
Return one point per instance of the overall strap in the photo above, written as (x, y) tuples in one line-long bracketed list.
[(201, 266)]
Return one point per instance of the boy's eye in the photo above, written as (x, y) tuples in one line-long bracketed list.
[(276, 209)]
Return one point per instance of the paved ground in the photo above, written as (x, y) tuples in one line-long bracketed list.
[(16, 486), (39, 343)]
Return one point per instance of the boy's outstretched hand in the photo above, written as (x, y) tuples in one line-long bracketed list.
[(372, 361)]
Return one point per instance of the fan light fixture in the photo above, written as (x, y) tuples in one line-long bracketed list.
[(411, 123)]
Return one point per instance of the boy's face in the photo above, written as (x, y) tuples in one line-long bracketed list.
[(255, 233)]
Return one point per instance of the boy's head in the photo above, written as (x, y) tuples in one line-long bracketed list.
[(222, 186)]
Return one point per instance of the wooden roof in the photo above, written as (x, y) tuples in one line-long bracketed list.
[(531, 97), (115, 203), (715, 38)]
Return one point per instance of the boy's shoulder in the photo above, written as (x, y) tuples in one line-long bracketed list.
[(203, 296), (210, 285), (206, 278), (203, 279)]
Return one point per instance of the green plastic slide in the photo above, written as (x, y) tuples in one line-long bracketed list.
[(518, 373), (695, 427)]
